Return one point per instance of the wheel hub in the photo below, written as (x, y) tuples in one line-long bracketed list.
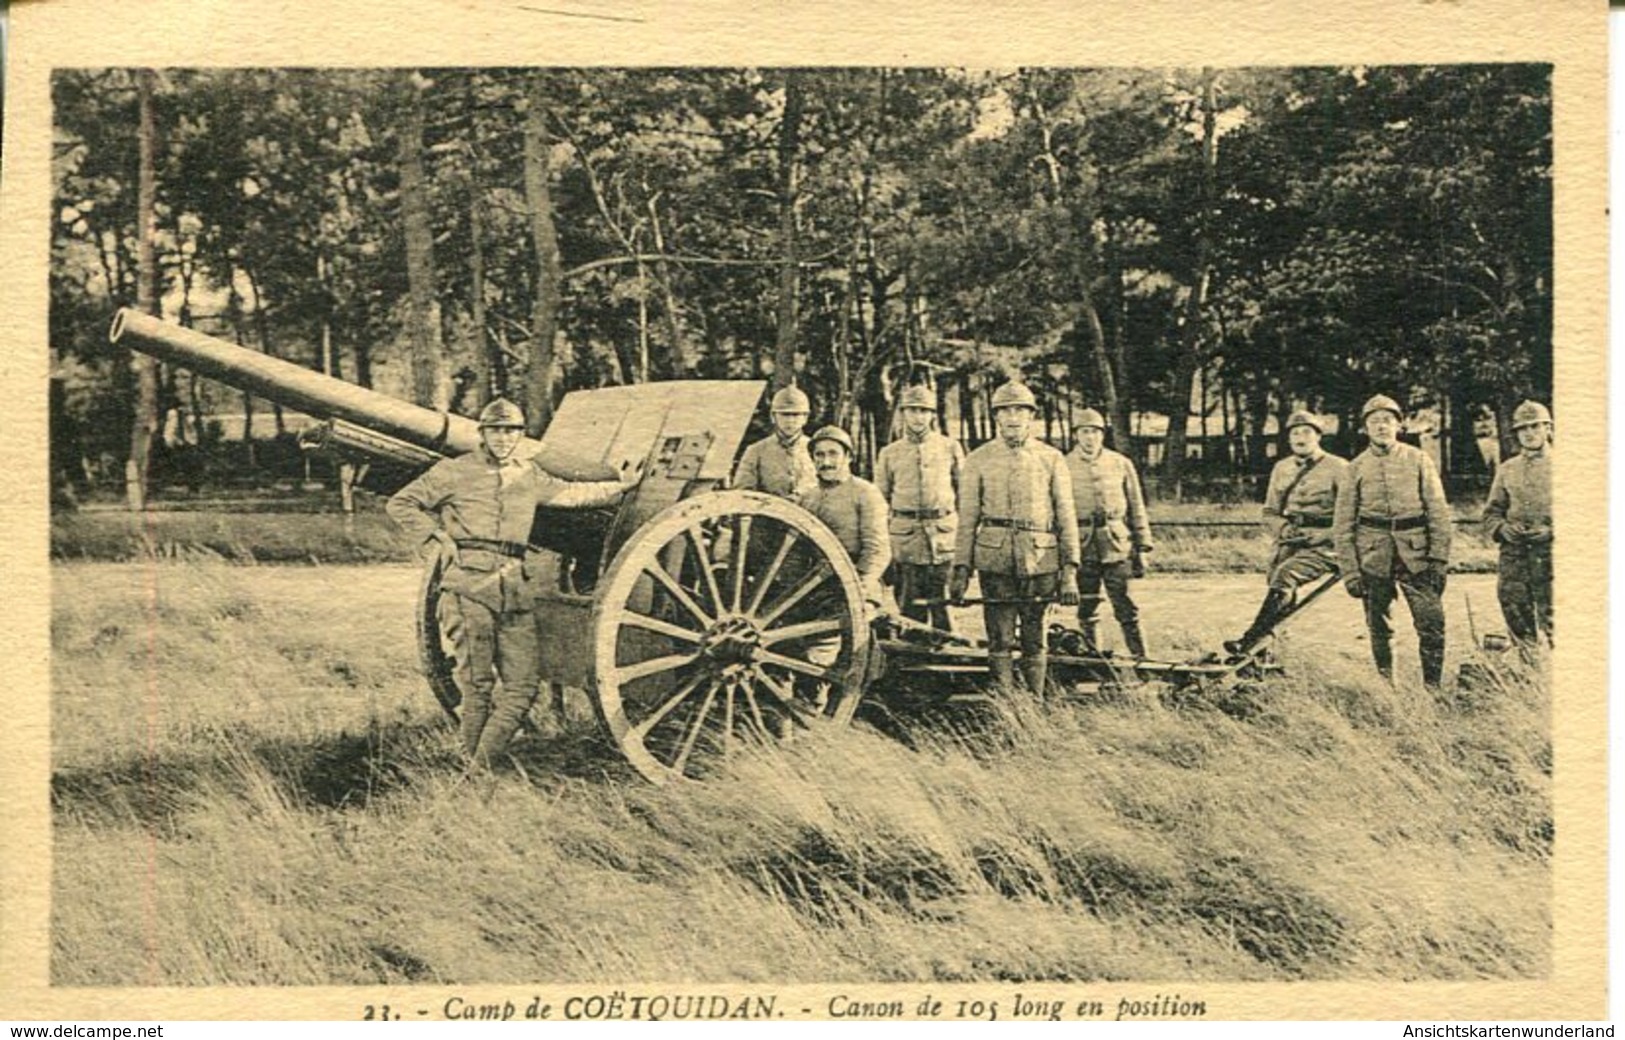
[(732, 640)]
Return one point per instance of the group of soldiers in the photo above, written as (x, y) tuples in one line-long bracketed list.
[(1034, 525)]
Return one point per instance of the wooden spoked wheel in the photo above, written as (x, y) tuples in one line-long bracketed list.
[(438, 666), (727, 619)]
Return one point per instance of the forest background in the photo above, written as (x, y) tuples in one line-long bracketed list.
[(1217, 245)]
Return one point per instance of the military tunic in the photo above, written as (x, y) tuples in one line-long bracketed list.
[(1018, 526), (487, 507), (1299, 506), (920, 479), (1392, 527), (1518, 515), (1112, 523), (855, 511), (778, 467)]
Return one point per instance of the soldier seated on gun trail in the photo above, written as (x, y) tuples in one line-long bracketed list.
[(477, 509), (1298, 508), (1518, 517)]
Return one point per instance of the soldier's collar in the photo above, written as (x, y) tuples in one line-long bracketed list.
[(786, 442)]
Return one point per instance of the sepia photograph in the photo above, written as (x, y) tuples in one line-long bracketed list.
[(794, 537)]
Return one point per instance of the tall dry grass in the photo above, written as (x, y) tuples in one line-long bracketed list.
[(249, 789)]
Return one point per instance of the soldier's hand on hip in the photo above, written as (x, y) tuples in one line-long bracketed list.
[(958, 583), (1069, 587), (448, 546), (1356, 586)]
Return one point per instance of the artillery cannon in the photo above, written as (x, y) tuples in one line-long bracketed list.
[(695, 617)]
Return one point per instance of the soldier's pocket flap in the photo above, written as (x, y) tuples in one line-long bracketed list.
[(992, 537), (1045, 540), (1416, 541), (902, 526), (947, 524), (479, 560)]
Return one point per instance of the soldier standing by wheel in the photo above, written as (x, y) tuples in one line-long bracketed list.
[(1392, 531), (1114, 532), (1518, 516), (1018, 528), (919, 476), (779, 463), (1298, 508), (477, 509)]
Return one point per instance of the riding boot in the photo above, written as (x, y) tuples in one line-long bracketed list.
[(1432, 666), (1133, 639), (1383, 654), (1034, 670), (1274, 602), (1002, 670)]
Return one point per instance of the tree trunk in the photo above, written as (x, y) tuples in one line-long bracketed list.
[(680, 362), (486, 366), (789, 147), (427, 385), (144, 425), (544, 319), (1190, 337)]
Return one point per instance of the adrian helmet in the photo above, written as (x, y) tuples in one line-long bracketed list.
[(1530, 413), (832, 433), (1382, 403), (918, 396), (501, 413), (1310, 419), (791, 399), (1090, 418), (1014, 395)]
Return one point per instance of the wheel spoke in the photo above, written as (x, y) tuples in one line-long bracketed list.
[(760, 592), (694, 731), (665, 628), (680, 594), (653, 666), (777, 688), (728, 716), (702, 558), (755, 709), (741, 539), (644, 728), (821, 627), (817, 671), (817, 578)]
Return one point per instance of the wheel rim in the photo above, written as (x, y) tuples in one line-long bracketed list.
[(732, 618)]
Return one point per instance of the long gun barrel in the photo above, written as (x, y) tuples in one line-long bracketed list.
[(295, 386)]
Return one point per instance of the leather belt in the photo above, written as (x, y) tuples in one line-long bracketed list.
[(1099, 521), (922, 514), (1019, 525), (1311, 521), (1384, 523), (515, 549)]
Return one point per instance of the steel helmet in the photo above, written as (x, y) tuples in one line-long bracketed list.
[(791, 399), (1382, 403), (502, 413), (918, 397), (1090, 418), (1014, 395), (1310, 419), (1530, 413), (832, 433)]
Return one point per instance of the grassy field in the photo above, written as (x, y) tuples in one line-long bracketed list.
[(252, 786), (1192, 538)]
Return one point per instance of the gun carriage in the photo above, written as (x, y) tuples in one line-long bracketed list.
[(695, 617)]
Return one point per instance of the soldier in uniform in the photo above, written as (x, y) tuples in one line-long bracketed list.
[(851, 507), (1298, 508), (919, 475), (779, 463), (478, 508), (1518, 515), (1392, 531), (1018, 527), (1113, 531)]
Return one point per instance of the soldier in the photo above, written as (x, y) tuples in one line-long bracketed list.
[(1019, 528), (1113, 531), (851, 507), (1298, 508), (1392, 529), (478, 508), (778, 463), (1518, 515), (919, 475)]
